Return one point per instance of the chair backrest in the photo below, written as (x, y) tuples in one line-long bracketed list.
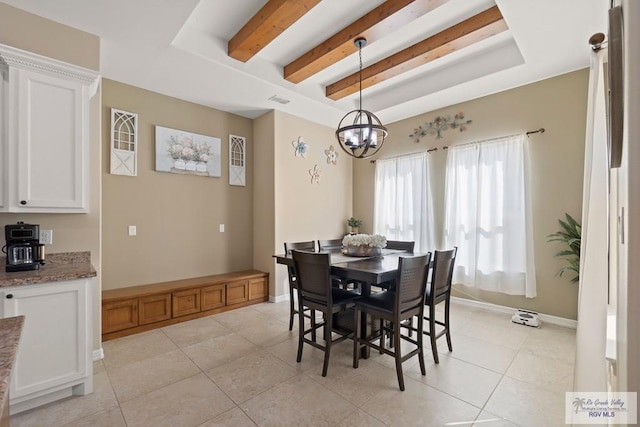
[(443, 263), (300, 246), (402, 245), (411, 282), (327, 245), (313, 272)]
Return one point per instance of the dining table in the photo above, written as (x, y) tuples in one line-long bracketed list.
[(368, 271)]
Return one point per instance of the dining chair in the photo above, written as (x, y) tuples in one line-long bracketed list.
[(407, 246), (327, 245), (331, 245), (438, 291), (288, 247), (403, 245), (316, 292), (392, 308)]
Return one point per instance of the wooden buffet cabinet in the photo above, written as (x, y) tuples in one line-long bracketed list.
[(135, 309)]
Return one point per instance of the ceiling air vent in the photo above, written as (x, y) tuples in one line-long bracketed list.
[(276, 98)]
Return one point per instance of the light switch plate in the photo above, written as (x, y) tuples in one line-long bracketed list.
[(132, 230), (222, 228)]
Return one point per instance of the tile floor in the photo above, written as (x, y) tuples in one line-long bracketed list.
[(238, 369)]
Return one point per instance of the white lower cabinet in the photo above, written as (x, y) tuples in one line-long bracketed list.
[(54, 356)]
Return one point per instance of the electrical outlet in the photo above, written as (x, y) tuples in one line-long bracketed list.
[(133, 230), (222, 228), (46, 237)]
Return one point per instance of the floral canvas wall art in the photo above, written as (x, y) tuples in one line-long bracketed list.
[(187, 153)]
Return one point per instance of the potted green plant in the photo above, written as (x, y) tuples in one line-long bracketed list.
[(570, 235), (355, 224)]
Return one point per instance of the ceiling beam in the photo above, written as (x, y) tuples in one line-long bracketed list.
[(389, 16), (477, 28), (270, 21)]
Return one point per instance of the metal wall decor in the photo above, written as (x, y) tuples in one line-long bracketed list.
[(332, 155), (300, 147), (439, 125), (315, 174)]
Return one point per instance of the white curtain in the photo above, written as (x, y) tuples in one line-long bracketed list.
[(590, 366), (488, 216), (403, 204)]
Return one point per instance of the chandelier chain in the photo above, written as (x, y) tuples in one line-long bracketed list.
[(360, 56)]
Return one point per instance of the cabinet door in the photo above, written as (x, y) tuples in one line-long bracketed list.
[(186, 302), (51, 143), (237, 292), (258, 288), (213, 297), (155, 308), (54, 347), (119, 315)]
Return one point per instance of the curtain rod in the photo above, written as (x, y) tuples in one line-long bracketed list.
[(404, 155), (541, 130)]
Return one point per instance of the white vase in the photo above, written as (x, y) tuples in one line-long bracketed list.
[(201, 167), (179, 164), (190, 165)]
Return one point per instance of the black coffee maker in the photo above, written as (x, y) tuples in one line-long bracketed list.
[(23, 248)]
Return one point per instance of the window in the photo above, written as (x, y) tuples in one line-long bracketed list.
[(403, 204), (487, 216)]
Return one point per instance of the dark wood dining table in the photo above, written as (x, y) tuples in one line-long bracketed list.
[(368, 271)]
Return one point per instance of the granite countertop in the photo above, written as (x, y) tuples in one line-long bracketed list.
[(57, 267), (10, 330)]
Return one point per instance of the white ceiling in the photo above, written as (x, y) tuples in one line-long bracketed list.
[(179, 48)]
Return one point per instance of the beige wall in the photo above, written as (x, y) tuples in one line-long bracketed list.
[(293, 208), (42, 36), (559, 105), (177, 216), (264, 197), (71, 232)]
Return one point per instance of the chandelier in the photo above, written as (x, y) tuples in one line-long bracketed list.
[(360, 133)]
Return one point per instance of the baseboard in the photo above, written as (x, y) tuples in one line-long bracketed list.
[(554, 320), (279, 298), (98, 354)]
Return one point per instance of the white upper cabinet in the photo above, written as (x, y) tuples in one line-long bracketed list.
[(45, 123)]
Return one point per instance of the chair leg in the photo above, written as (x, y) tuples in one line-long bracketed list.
[(292, 309), (356, 337), (423, 369), (398, 354), (383, 336), (432, 333), (300, 332), (313, 324), (446, 323), (328, 326)]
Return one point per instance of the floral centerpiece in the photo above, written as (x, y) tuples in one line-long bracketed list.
[(363, 244)]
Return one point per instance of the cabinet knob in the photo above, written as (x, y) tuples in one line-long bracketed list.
[(23, 202), (9, 296)]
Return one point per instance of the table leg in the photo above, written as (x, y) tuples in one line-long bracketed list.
[(365, 289)]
